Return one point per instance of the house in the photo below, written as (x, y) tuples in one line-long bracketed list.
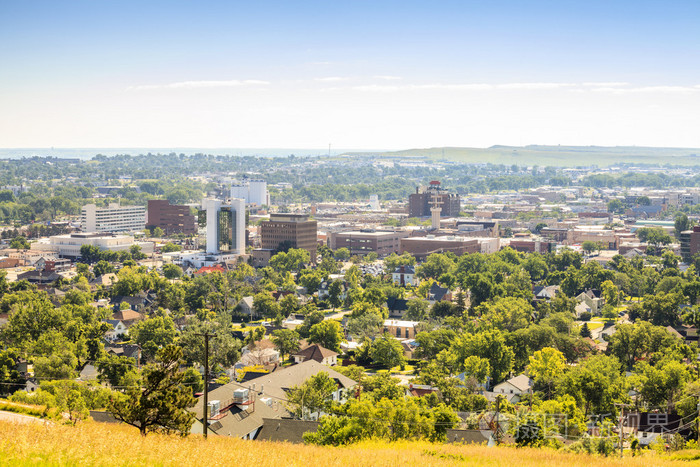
[(397, 307), (127, 316), (240, 410), (545, 293), (405, 275), (118, 329), (593, 299), (318, 353), (262, 353), (438, 294), (245, 307), (514, 387), (324, 290), (210, 269), (401, 329), (421, 390), (286, 430), (132, 351)]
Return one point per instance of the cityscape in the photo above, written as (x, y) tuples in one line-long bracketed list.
[(372, 233)]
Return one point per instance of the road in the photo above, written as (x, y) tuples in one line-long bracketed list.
[(19, 418)]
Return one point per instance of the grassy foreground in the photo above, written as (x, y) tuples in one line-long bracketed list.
[(99, 444)]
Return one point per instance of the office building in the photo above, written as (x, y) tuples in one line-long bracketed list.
[(292, 230), (225, 225), (361, 242), (113, 218), (252, 191), (172, 218), (433, 196)]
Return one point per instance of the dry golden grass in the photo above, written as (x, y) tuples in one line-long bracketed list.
[(100, 444)]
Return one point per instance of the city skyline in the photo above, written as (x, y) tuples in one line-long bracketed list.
[(366, 75)]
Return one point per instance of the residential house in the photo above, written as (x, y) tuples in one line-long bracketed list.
[(397, 307), (245, 307), (240, 410), (401, 329), (286, 430), (117, 330), (405, 275), (438, 294), (318, 353), (593, 299), (514, 387)]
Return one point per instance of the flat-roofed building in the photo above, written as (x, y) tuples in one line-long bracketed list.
[(361, 242), (421, 202), (422, 247), (172, 218), (68, 245), (293, 230), (113, 218)]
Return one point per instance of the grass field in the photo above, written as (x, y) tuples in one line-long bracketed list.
[(564, 156), (99, 444)]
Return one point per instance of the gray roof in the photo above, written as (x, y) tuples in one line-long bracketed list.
[(277, 382), (285, 429)]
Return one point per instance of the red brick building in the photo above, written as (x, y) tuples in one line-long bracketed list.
[(172, 218)]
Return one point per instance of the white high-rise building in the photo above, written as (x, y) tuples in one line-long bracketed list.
[(113, 218), (252, 191), (225, 225)]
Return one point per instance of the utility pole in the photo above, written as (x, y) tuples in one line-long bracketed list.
[(205, 417), (622, 417)]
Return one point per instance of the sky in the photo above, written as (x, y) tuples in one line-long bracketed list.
[(354, 74)]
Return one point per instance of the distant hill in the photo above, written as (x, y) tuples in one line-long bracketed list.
[(563, 156)]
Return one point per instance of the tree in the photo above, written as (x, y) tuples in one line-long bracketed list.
[(417, 309), (161, 400), (342, 254), (595, 383), (313, 396), (334, 293), (224, 349), (681, 224), (477, 367), (286, 341), (152, 334), (328, 334), (546, 366), (490, 345), (266, 305), (589, 246), (387, 352), (102, 267), (117, 370), (158, 232), (170, 247), (616, 206), (20, 243), (365, 325), (172, 271), (585, 332)]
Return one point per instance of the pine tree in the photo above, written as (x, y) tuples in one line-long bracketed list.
[(160, 402), (585, 332)]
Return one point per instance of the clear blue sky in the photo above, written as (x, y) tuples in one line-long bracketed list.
[(360, 74)]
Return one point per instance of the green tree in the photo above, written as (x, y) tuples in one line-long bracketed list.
[(328, 334), (170, 247), (313, 396), (160, 402), (681, 224), (387, 352), (589, 246), (20, 243), (546, 366), (477, 367), (417, 309), (286, 341), (616, 206), (102, 267), (158, 232), (172, 271), (152, 334)]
